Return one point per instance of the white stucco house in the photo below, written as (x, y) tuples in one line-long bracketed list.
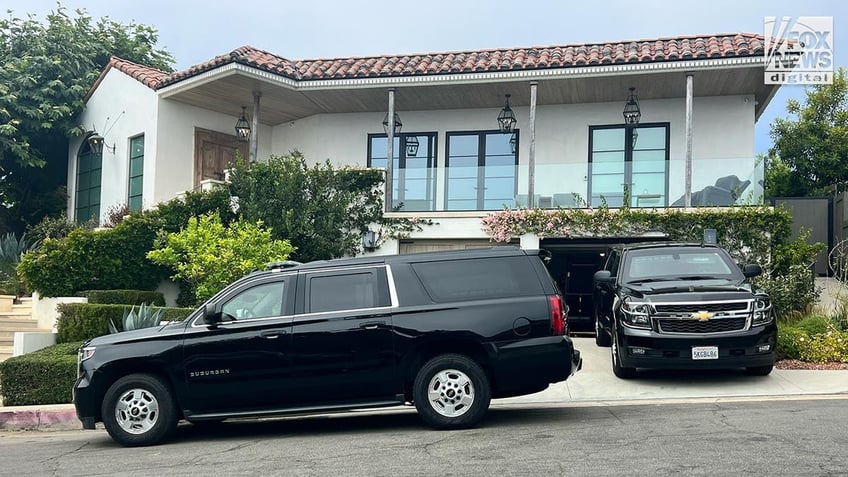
[(698, 98)]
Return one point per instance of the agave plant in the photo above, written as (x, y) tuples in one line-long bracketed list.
[(11, 251), (145, 317)]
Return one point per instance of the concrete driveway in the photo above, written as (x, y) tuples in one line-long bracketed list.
[(595, 382)]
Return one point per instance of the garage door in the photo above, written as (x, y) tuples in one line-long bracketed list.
[(415, 246)]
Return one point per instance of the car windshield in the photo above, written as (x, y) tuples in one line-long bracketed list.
[(671, 264)]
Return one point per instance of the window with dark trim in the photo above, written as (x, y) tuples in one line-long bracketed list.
[(354, 290), (136, 173), (414, 171), (477, 279), (89, 165), (482, 170), (629, 160)]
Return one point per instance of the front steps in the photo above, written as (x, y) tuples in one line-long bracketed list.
[(15, 316)]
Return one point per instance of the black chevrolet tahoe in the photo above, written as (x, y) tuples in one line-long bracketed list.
[(682, 306), (444, 331)]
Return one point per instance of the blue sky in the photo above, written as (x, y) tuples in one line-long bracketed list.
[(197, 30)]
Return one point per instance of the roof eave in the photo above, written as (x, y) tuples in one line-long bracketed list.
[(459, 78)]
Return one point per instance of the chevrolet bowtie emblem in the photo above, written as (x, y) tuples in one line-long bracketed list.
[(702, 315)]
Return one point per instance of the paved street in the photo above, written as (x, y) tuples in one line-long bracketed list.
[(776, 436)]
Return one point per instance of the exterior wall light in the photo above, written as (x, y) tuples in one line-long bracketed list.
[(506, 118), (632, 114), (243, 126), (398, 124), (370, 239), (97, 143)]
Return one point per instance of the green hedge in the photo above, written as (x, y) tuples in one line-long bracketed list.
[(45, 376), (95, 260), (124, 297), (83, 321)]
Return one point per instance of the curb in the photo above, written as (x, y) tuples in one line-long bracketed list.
[(39, 418)]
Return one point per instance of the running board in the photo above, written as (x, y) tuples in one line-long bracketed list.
[(292, 410)]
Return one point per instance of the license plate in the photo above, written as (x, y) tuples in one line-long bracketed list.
[(705, 352)]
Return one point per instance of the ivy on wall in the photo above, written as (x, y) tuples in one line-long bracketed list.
[(749, 233)]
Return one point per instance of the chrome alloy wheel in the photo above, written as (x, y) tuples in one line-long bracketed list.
[(137, 411), (451, 393)]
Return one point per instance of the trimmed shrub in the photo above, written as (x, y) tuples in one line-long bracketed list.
[(95, 260), (83, 321), (45, 376), (123, 297)]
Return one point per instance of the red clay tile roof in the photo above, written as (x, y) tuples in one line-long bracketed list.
[(512, 59), (150, 77)]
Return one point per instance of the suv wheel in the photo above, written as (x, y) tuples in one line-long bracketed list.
[(139, 410), (617, 369), (759, 370), (602, 338), (451, 391)]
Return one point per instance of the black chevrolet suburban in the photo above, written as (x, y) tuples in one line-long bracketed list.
[(444, 331), (682, 306)]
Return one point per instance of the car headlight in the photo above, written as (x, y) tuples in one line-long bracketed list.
[(762, 311), (636, 314), (84, 353)]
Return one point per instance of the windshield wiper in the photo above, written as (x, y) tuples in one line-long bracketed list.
[(649, 280), (699, 277)]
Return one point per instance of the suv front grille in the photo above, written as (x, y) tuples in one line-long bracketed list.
[(687, 308), (702, 317), (717, 325)]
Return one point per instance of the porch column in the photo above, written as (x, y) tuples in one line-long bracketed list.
[(254, 127), (687, 201), (390, 150), (531, 157)]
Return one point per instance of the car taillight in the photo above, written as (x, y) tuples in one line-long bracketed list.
[(557, 315)]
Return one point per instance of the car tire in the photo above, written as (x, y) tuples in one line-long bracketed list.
[(602, 338), (139, 410), (451, 391), (759, 370), (620, 371)]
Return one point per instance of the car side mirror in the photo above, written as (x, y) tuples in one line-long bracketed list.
[(211, 313), (604, 276), (751, 270)]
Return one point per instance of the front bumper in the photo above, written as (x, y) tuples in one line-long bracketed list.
[(85, 403), (648, 349)]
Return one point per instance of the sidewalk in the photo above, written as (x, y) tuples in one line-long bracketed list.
[(594, 383)]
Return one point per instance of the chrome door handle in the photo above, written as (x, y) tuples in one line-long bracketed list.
[(372, 325), (273, 334)]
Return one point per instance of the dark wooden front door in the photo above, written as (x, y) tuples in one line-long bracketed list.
[(213, 152)]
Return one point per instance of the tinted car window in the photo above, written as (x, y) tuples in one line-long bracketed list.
[(261, 301), (678, 263), (476, 279), (348, 291)]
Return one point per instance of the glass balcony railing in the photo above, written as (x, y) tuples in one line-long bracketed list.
[(715, 183)]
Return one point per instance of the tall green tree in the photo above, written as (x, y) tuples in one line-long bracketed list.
[(46, 68), (810, 152)]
